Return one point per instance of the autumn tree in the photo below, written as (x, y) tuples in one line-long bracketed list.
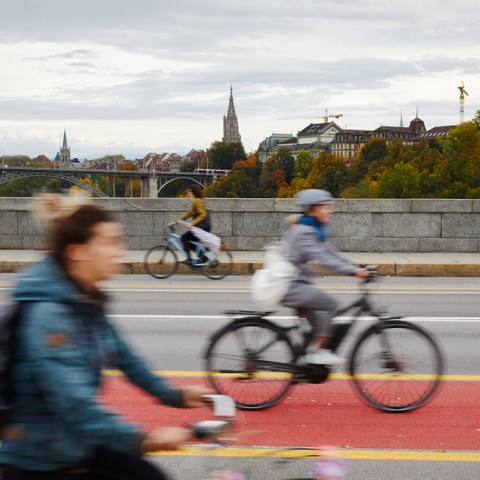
[(223, 155), (459, 170), (303, 164), (400, 181)]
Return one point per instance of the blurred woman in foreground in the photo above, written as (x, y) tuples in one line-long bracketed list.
[(59, 430)]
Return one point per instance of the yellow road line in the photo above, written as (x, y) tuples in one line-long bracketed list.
[(334, 376), (259, 452)]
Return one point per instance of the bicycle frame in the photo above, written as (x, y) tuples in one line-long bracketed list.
[(360, 306), (174, 240)]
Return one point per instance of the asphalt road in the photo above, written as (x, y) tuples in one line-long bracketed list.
[(169, 321)]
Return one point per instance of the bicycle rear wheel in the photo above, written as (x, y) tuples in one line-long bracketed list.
[(396, 366), (248, 360), (160, 262), (220, 267)]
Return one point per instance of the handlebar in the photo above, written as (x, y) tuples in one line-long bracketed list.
[(372, 273), (223, 409)]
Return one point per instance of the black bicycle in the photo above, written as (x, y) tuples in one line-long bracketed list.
[(395, 365)]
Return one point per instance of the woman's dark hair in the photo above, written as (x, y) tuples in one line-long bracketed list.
[(197, 190), (76, 229)]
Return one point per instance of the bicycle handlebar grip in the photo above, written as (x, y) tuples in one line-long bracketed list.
[(209, 428)]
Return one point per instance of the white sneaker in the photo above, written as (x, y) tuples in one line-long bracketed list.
[(324, 357)]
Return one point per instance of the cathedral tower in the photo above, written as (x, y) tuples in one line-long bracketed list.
[(64, 152), (230, 123)]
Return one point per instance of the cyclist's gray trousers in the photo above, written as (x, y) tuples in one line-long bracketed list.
[(313, 304)]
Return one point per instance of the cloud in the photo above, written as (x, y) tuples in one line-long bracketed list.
[(165, 68)]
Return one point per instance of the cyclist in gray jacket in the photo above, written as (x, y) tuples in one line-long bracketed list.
[(307, 241)]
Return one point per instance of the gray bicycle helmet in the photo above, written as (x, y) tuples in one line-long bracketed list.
[(306, 198)]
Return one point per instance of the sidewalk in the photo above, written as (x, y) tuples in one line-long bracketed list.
[(245, 263)]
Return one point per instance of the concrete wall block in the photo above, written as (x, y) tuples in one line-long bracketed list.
[(134, 242), (160, 222), (23, 223), (110, 204), (381, 205), (476, 206), (8, 223), (149, 242), (412, 225), (241, 204), (374, 244), (136, 223), (11, 242), (16, 203), (461, 225), (285, 205), (253, 224), (35, 243), (142, 204), (358, 225), (441, 206), (448, 245), (36, 226), (222, 223)]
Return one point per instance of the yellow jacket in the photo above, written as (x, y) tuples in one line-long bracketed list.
[(197, 210)]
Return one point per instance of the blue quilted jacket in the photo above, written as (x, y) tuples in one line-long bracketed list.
[(63, 342)]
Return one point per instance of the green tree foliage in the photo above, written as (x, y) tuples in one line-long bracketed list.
[(369, 161), (16, 160), (241, 182), (328, 172), (274, 175), (459, 170), (476, 120), (303, 164), (400, 181), (223, 155), (365, 188)]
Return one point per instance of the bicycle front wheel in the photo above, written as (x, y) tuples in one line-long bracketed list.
[(396, 366), (248, 361), (160, 262), (220, 267)]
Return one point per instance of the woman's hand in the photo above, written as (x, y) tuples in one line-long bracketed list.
[(193, 396), (166, 438), (362, 273)]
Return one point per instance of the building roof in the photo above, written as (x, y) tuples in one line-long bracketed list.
[(384, 128), (438, 131), (317, 128), (44, 160)]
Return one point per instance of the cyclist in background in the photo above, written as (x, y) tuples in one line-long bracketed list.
[(59, 430), (200, 218), (307, 241)]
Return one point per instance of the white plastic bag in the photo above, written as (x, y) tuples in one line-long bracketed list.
[(210, 240), (270, 284)]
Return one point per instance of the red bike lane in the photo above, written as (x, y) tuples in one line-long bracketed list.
[(326, 414)]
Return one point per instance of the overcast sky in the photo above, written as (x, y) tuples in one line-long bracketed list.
[(132, 77)]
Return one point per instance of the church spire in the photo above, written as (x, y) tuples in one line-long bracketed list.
[(65, 144), (64, 154), (401, 118), (230, 122)]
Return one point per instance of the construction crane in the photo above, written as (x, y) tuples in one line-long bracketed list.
[(323, 117), (326, 116), (463, 92)]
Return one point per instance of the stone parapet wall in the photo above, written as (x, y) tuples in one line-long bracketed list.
[(364, 225)]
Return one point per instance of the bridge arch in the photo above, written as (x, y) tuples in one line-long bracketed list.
[(67, 178), (193, 180)]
